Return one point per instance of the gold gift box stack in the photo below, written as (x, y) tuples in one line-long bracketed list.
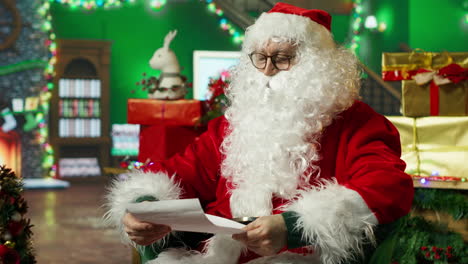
[(453, 98), (433, 147)]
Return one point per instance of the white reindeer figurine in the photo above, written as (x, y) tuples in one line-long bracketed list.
[(171, 85)]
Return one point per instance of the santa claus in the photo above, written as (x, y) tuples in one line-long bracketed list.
[(296, 149)]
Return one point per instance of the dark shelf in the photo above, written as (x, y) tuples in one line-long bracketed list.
[(82, 59)]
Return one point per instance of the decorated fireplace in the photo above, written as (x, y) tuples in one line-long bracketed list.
[(10, 151)]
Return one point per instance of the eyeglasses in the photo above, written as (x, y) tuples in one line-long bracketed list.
[(280, 62)]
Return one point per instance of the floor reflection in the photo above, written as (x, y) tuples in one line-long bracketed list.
[(68, 228)]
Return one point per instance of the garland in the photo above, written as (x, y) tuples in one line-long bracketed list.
[(21, 66), (421, 242), (453, 202), (415, 240)]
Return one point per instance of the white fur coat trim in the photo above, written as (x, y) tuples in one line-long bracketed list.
[(221, 249), (138, 184), (335, 220)]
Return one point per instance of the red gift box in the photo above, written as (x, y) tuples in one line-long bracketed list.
[(159, 142), (166, 127), (169, 113)]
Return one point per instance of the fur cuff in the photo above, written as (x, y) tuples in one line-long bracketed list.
[(287, 258), (335, 220), (219, 249), (120, 193)]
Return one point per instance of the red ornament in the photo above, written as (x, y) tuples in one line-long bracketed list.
[(123, 164), (15, 228), (9, 255), (423, 248)]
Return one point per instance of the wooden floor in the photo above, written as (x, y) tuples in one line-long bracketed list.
[(68, 228)]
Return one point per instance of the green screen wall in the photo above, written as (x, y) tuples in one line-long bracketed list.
[(438, 25), (136, 32), (431, 25)]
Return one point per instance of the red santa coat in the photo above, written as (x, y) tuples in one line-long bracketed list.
[(360, 149), (360, 153)]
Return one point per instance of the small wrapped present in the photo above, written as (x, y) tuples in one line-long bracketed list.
[(436, 147), (436, 93), (164, 112), (397, 66), (167, 127)]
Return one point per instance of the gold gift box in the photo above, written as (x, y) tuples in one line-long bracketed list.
[(402, 65), (416, 99), (435, 146)]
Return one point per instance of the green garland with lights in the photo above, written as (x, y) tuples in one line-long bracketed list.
[(15, 230)]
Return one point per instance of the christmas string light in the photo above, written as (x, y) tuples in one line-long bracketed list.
[(356, 27), (237, 37), (45, 93), (92, 4), (427, 179), (157, 4)]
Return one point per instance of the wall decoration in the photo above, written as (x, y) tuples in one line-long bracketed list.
[(10, 25)]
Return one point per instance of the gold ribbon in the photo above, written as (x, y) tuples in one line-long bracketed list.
[(417, 59)]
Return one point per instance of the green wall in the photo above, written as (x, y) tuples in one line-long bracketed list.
[(340, 27), (432, 25), (395, 14), (136, 32), (438, 25)]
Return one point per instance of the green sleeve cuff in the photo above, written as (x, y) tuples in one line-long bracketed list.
[(148, 253), (294, 233), (146, 198)]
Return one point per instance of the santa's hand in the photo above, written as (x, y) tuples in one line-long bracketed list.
[(143, 233), (265, 236)]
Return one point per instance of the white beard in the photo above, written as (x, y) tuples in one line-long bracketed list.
[(275, 127)]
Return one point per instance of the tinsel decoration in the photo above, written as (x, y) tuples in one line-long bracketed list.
[(15, 229)]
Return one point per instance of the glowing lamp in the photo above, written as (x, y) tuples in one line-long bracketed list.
[(371, 22)]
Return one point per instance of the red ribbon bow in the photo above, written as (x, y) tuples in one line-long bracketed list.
[(452, 73)]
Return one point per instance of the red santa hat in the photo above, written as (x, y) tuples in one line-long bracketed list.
[(310, 26), (319, 16)]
